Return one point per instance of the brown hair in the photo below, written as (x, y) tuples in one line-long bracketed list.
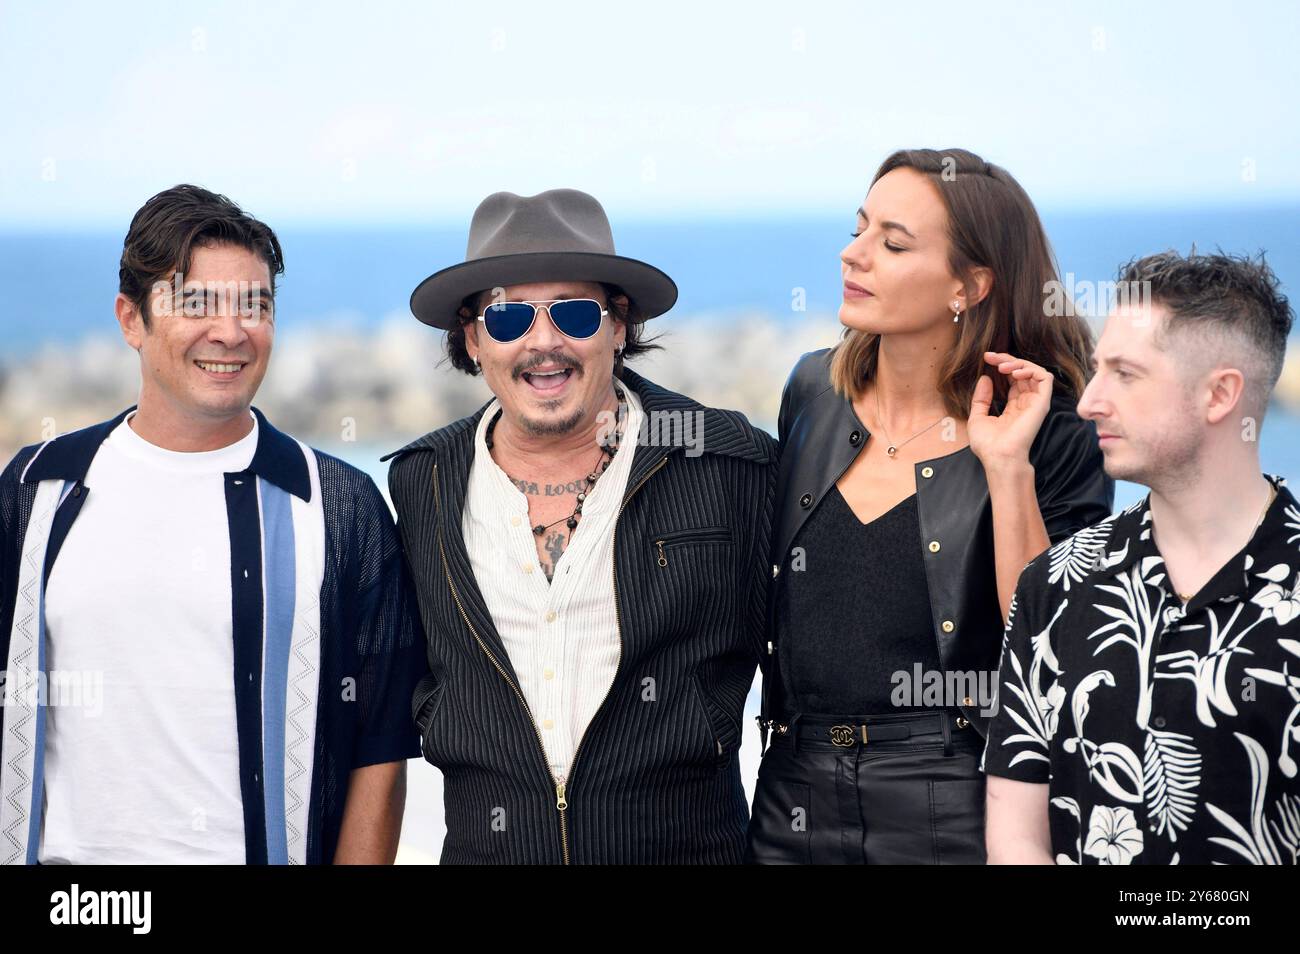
[(1220, 294), (633, 342), (163, 234), (991, 224)]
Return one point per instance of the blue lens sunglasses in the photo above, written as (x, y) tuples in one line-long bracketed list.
[(575, 317)]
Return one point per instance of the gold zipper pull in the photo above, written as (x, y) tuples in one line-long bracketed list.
[(561, 802), (663, 560)]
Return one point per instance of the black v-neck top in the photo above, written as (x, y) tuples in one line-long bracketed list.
[(858, 611)]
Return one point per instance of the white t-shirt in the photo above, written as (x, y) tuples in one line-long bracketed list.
[(139, 597)]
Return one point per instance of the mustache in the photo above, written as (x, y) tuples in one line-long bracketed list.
[(556, 359)]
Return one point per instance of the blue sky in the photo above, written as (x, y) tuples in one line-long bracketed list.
[(375, 112)]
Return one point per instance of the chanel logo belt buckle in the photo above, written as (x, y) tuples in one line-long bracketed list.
[(842, 735)]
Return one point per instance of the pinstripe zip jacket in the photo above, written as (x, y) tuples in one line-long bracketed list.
[(656, 776)]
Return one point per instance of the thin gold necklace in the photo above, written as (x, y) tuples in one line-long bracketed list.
[(1272, 492), (893, 448)]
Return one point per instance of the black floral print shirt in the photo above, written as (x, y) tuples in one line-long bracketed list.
[(1167, 733)]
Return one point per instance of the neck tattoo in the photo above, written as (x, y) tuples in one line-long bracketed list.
[(608, 448)]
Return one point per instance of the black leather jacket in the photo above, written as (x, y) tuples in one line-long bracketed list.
[(820, 436)]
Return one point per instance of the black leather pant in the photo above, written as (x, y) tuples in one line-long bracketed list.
[(913, 801)]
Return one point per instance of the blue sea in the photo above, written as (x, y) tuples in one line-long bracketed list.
[(59, 285)]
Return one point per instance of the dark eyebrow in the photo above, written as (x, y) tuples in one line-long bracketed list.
[(896, 226)]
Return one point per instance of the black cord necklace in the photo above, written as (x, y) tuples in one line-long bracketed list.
[(608, 448)]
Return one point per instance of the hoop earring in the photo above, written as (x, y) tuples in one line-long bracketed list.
[(476, 364), (956, 307), (618, 352)]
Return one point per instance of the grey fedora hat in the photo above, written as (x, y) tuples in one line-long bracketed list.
[(554, 236)]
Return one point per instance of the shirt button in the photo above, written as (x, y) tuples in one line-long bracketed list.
[(968, 701), (1158, 722), (528, 568), (548, 724), (855, 438), (948, 627), (934, 546), (548, 673), (515, 521), (927, 471), (805, 501), (550, 616)]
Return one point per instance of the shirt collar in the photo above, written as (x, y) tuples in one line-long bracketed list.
[(1272, 542), (278, 457)]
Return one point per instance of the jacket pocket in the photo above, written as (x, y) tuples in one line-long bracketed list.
[(664, 542), (723, 730), (424, 706)]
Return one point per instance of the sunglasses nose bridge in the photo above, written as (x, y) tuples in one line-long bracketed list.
[(544, 332)]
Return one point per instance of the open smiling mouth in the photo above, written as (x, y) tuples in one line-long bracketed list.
[(221, 370), (547, 382)]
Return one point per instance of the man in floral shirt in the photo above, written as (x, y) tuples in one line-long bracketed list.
[(1149, 703)]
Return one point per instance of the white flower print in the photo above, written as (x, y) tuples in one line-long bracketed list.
[(1113, 835), (1281, 603)]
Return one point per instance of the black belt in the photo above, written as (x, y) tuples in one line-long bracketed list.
[(849, 731)]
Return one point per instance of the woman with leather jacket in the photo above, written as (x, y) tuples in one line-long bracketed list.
[(925, 459)]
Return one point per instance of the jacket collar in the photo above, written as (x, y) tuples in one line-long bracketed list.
[(278, 457), (727, 433)]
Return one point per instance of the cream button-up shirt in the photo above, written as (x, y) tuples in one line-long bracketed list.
[(562, 636)]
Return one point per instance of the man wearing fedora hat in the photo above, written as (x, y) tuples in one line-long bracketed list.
[(593, 599)]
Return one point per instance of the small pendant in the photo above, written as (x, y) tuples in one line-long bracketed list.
[(891, 450), (539, 530)]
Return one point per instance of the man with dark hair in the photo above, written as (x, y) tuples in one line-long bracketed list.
[(208, 626), (1150, 676), (590, 553)]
